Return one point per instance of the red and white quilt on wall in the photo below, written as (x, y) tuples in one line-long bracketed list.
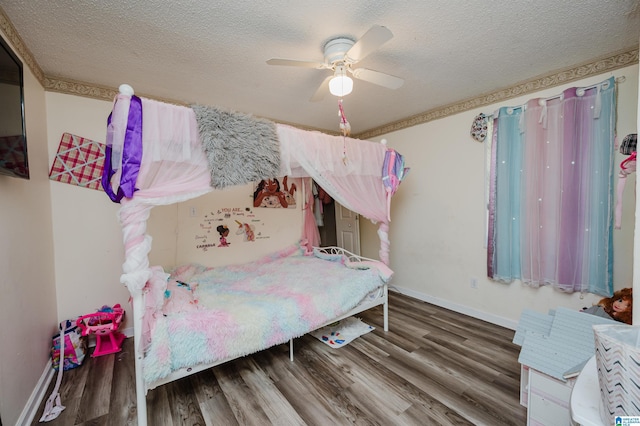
[(79, 161)]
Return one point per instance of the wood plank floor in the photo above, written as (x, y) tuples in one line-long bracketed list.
[(434, 367)]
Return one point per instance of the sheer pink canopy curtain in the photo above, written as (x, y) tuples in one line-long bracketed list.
[(171, 168), (350, 170), (551, 198), (161, 159)]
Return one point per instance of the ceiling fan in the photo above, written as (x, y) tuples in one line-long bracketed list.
[(340, 55)]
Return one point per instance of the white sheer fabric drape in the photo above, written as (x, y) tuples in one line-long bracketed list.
[(355, 183), (173, 161), (556, 205), (174, 168)]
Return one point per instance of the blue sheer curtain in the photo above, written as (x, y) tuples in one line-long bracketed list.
[(551, 203), (507, 155)]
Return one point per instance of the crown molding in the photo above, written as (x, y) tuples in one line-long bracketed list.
[(599, 66), (94, 91), (78, 88), (87, 90)]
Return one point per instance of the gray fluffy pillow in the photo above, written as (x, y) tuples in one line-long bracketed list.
[(240, 148)]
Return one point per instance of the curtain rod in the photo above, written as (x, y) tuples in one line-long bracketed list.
[(581, 90)]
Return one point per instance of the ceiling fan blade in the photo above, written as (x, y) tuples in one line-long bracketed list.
[(294, 63), (370, 41), (322, 90), (376, 77)]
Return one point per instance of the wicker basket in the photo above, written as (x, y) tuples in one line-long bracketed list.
[(618, 362)]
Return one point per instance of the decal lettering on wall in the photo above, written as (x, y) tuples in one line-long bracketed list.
[(229, 226)]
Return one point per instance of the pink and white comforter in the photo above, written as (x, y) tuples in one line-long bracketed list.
[(232, 311)]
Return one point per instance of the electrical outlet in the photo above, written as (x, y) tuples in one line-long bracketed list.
[(193, 212), (473, 283)]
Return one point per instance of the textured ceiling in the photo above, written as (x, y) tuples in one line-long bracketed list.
[(214, 52)]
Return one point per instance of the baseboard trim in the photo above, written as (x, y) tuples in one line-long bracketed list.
[(462, 309), (39, 392), (30, 410), (128, 331)]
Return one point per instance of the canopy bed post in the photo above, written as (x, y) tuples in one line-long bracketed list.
[(141, 392), (133, 218), (383, 234), (385, 308), (291, 350)]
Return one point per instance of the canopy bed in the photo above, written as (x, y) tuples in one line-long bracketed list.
[(177, 153)]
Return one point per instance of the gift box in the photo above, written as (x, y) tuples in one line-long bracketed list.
[(75, 347)]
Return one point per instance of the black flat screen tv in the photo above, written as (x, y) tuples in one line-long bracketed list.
[(13, 138)]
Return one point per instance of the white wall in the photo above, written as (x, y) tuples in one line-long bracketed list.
[(87, 237), (27, 282), (438, 217), (186, 232), (636, 241)]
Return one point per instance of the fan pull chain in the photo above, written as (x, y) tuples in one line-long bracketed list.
[(346, 130)]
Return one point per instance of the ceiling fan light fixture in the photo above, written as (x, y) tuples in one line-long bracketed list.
[(340, 84)]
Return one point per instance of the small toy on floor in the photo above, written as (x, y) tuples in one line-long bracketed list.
[(619, 307), (104, 324)]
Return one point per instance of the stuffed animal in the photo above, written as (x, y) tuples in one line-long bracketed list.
[(289, 192), (619, 307)]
